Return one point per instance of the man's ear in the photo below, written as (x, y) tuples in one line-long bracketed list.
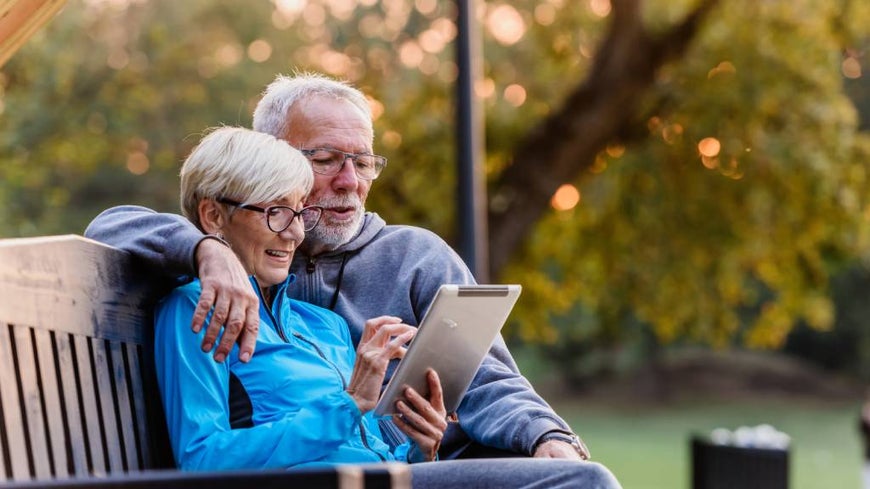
[(211, 216)]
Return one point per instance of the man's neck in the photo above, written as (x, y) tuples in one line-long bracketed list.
[(315, 248)]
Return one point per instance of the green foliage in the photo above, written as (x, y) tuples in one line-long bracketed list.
[(101, 107), (691, 244)]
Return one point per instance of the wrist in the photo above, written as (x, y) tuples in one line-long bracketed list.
[(565, 437), (206, 243), (213, 237), (415, 454)]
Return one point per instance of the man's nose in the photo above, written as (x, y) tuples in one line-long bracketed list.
[(346, 177)]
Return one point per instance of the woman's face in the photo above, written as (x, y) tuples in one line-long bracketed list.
[(264, 253)]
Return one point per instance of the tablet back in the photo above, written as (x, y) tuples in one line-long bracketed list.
[(453, 339)]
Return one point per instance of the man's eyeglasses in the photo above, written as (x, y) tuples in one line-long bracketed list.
[(280, 217), (329, 162)]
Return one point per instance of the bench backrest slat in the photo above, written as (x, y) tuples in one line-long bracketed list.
[(13, 440), (90, 414), (139, 409), (112, 442), (32, 402), (125, 406), (51, 405), (75, 430)]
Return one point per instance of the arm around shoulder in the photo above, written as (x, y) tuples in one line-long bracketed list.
[(162, 241)]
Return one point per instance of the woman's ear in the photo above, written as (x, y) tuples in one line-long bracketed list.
[(211, 216)]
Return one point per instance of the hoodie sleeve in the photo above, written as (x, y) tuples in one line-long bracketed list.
[(194, 389), (165, 242)]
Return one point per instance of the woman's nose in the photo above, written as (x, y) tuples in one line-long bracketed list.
[(295, 231)]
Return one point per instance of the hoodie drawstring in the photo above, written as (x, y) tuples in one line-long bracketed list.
[(334, 300)]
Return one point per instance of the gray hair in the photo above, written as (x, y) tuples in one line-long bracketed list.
[(243, 165), (271, 114)]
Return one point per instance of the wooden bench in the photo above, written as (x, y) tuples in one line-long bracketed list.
[(79, 405)]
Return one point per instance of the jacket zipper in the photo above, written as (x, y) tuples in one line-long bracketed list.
[(362, 429), (275, 321)]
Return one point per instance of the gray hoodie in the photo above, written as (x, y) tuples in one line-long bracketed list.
[(383, 270)]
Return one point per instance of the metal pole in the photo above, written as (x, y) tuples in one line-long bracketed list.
[(471, 209)]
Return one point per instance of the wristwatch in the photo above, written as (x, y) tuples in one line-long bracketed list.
[(569, 438)]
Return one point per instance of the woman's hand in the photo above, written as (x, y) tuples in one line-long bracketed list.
[(425, 420), (383, 339)]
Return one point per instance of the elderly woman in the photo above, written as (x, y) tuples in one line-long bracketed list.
[(307, 397)]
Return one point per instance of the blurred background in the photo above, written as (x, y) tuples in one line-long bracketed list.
[(681, 187)]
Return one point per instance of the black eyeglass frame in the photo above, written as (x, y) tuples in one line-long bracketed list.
[(265, 211), (380, 162)]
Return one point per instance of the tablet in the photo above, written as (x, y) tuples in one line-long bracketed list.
[(453, 338)]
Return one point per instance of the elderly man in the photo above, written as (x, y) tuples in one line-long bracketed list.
[(352, 263)]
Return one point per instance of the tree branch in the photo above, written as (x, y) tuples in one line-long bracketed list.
[(566, 143)]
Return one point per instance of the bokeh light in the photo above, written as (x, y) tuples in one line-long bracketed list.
[(371, 26), (615, 151), (432, 41), (566, 198), (314, 14), (725, 67), (505, 24), (259, 51), (445, 27), (335, 63), (426, 7), (410, 54), (601, 8), (851, 67), (484, 88), (228, 55), (290, 7), (342, 10), (515, 95), (709, 147), (545, 14), (137, 163), (391, 139), (376, 107)]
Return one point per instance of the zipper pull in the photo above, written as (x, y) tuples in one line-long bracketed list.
[(309, 267)]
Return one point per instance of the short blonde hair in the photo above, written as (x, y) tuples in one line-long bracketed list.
[(244, 165), (271, 115)]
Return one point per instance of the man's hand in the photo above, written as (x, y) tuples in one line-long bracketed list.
[(226, 288), (561, 449)]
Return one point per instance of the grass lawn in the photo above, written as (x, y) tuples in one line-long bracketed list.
[(648, 447)]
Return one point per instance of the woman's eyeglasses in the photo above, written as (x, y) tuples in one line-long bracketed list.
[(280, 217)]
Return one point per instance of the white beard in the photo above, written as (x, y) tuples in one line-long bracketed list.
[(330, 234)]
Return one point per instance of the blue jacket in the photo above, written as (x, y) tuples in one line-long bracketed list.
[(296, 383)]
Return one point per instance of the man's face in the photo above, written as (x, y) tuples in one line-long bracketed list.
[(325, 122)]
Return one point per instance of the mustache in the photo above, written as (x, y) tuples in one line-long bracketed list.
[(349, 200)]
